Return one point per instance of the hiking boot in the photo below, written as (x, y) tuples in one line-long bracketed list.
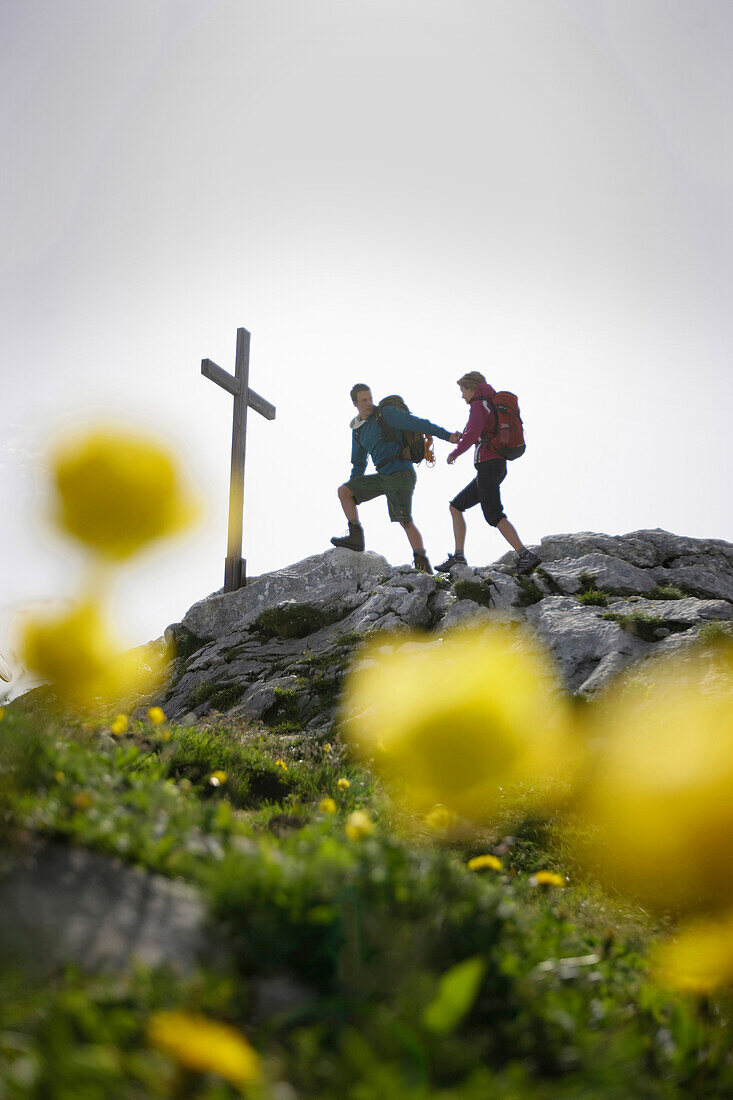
[(421, 562), (450, 561), (527, 562), (354, 540)]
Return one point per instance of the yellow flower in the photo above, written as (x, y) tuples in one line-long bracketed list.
[(2, 713), (156, 716), (119, 726), (327, 806), (280, 763), (657, 815), (59, 777), (343, 784), (74, 651), (204, 1046), (698, 959), (217, 778), (327, 747), (482, 863), (358, 825), (546, 878), (117, 490), (440, 818), (454, 721), (81, 801)]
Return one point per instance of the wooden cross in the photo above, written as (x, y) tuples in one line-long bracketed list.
[(235, 567)]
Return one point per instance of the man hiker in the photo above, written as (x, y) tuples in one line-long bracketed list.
[(490, 472), (395, 477)]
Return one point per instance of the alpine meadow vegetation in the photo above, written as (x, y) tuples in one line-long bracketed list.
[(470, 884)]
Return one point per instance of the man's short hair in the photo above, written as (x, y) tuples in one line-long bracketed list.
[(357, 389), (473, 379)]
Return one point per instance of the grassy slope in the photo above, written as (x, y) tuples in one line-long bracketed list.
[(335, 947)]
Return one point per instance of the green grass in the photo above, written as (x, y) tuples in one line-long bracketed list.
[(361, 938), (478, 591), (666, 592), (292, 620), (529, 592), (594, 597), (649, 628)]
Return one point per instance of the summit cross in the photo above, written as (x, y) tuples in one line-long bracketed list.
[(235, 567)]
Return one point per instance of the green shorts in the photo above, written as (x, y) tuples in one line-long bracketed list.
[(397, 487)]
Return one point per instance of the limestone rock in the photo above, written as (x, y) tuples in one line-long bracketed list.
[(68, 904), (225, 664)]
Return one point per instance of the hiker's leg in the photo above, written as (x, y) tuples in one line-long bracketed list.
[(348, 503), (467, 498), (398, 488), (459, 528), (509, 531), (413, 535), (489, 476)]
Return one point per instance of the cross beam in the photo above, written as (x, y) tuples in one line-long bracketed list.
[(235, 567)]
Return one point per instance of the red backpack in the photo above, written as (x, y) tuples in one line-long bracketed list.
[(507, 439)]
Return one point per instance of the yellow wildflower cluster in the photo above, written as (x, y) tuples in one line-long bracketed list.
[(119, 726), (454, 721), (205, 1046), (484, 863), (358, 825), (456, 725), (115, 492)]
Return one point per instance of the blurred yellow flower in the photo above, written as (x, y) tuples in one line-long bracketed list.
[(440, 818), (454, 721), (327, 806), (81, 801), (156, 716), (118, 490), (217, 778), (280, 763), (483, 863), (59, 777), (74, 651), (205, 1046), (343, 784), (657, 814), (546, 878), (698, 959), (2, 713), (119, 726), (327, 747), (358, 825)]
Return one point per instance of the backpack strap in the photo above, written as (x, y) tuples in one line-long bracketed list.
[(387, 433)]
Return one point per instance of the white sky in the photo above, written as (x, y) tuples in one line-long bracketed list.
[(388, 191)]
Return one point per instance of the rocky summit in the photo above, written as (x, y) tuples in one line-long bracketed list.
[(277, 649)]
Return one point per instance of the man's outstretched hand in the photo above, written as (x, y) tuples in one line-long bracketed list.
[(455, 437)]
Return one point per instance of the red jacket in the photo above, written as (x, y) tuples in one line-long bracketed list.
[(482, 416)]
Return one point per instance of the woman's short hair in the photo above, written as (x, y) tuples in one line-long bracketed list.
[(357, 389), (473, 379)]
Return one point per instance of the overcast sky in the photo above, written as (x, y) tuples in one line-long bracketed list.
[(387, 191)]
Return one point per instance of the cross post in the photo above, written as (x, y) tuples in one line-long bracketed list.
[(235, 567)]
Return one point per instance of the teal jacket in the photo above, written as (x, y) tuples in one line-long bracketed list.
[(367, 439)]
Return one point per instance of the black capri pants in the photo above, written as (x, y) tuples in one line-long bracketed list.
[(484, 490)]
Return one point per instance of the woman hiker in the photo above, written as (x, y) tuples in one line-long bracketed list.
[(490, 472)]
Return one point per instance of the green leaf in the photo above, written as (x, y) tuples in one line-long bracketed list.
[(457, 991)]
